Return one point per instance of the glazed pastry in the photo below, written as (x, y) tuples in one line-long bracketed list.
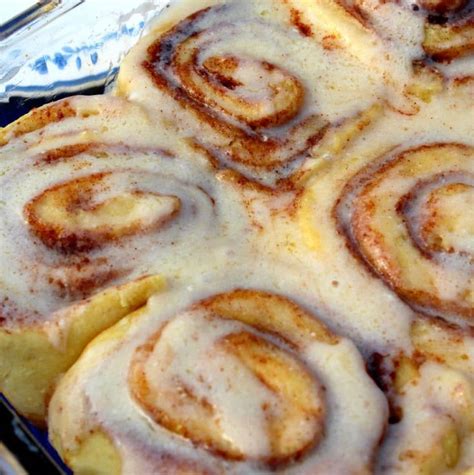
[(398, 212), (449, 30), (301, 174), (416, 237), (434, 35), (401, 208), (92, 204), (432, 426), (238, 77), (244, 381)]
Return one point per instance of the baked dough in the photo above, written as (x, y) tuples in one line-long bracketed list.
[(292, 181)]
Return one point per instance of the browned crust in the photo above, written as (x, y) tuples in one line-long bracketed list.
[(444, 52), (263, 301), (39, 118)]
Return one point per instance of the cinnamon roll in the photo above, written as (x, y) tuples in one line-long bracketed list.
[(93, 207), (417, 236), (430, 34), (244, 381), (433, 430), (251, 82), (400, 207)]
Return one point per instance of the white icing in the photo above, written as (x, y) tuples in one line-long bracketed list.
[(213, 375)]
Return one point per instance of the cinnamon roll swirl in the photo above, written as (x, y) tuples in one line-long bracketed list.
[(93, 207), (398, 210), (302, 172), (239, 77), (417, 235), (244, 381), (385, 231)]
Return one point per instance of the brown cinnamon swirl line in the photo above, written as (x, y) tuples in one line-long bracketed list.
[(95, 220), (72, 231), (369, 30), (416, 238), (254, 115), (264, 359), (448, 34), (76, 197), (425, 229)]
